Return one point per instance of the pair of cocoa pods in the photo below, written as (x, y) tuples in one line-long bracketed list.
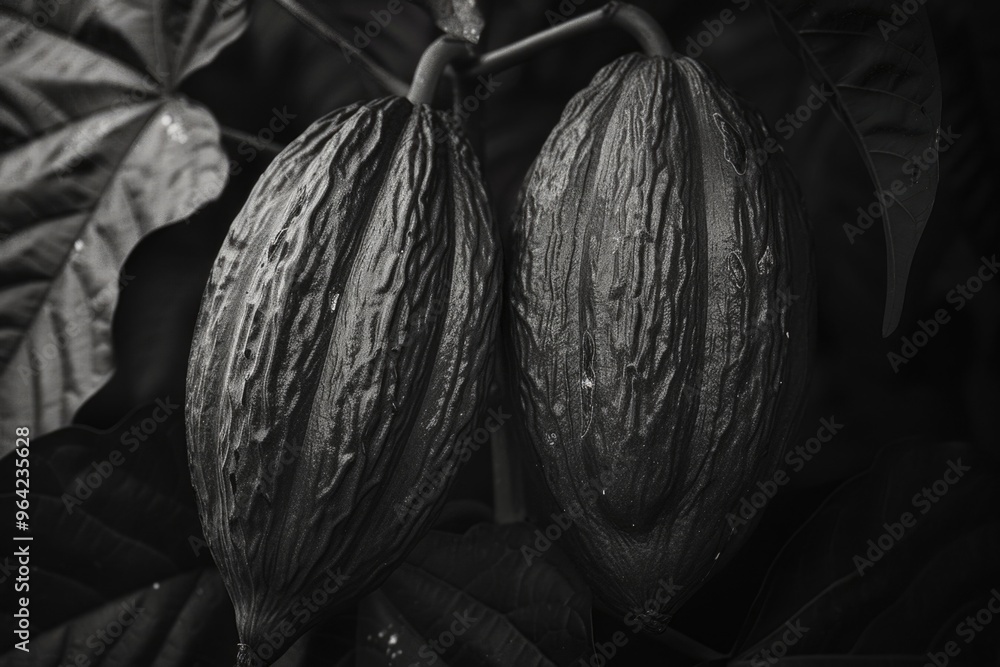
[(346, 338)]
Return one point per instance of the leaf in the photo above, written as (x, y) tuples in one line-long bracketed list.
[(459, 18), (183, 621), (110, 512), (860, 579), (476, 599), (881, 64), (96, 150)]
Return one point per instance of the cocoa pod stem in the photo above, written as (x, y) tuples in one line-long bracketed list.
[(432, 65), (447, 50), (244, 656)]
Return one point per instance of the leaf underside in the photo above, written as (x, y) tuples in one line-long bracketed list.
[(883, 68)]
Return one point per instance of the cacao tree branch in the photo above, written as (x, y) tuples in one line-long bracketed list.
[(631, 19), (447, 50), (385, 78)]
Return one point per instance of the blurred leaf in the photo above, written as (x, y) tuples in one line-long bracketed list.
[(476, 599), (183, 621), (882, 68), (460, 18), (111, 512), (859, 578), (96, 150)]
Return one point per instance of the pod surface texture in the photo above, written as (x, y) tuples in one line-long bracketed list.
[(342, 350), (658, 308)]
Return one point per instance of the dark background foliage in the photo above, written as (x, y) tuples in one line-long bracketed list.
[(900, 428)]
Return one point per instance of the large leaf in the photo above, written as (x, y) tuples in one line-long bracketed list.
[(114, 522), (888, 566), (98, 150), (478, 599), (880, 61), (183, 621), (110, 512)]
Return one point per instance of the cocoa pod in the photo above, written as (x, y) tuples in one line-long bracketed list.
[(659, 302), (342, 351)]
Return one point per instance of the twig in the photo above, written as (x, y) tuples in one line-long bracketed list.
[(450, 50), (385, 78), (637, 22)]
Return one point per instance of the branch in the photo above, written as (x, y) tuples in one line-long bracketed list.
[(385, 78)]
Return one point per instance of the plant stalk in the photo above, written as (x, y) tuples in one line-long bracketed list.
[(449, 50), (637, 22), (432, 65)]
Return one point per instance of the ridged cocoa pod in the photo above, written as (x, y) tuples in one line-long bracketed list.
[(656, 360), (342, 350)]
